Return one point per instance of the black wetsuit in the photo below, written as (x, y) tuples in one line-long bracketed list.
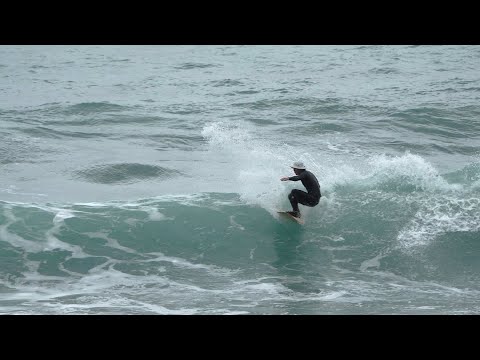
[(298, 196)]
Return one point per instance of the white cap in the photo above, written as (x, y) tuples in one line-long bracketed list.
[(298, 165)]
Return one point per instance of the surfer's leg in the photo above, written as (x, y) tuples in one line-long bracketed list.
[(311, 201), (293, 201), (301, 197), (306, 199), (297, 196)]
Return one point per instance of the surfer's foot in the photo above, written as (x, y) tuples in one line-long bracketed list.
[(294, 213)]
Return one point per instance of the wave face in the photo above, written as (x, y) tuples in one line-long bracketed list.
[(146, 179), (213, 254)]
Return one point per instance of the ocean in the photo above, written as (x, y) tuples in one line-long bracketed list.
[(146, 179)]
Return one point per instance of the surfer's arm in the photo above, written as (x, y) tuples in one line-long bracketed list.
[(293, 178), (298, 177)]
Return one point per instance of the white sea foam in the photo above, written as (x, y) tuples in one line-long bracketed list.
[(256, 164), (438, 216)]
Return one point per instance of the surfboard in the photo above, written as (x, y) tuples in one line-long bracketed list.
[(286, 214)]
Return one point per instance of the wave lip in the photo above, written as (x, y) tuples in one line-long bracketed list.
[(87, 108), (124, 173), (190, 65)]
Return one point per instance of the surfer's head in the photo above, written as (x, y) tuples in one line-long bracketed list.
[(298, 167)]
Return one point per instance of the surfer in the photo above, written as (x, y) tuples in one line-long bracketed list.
[(309, 198)]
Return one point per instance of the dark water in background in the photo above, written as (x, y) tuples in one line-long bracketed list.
[(145, 179)]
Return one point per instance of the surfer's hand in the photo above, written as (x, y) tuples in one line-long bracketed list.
[(285, 178)]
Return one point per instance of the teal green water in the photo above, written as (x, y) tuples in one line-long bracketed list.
[(146, 179)]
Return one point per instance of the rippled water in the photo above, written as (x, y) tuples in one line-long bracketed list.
[(145, 179)]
